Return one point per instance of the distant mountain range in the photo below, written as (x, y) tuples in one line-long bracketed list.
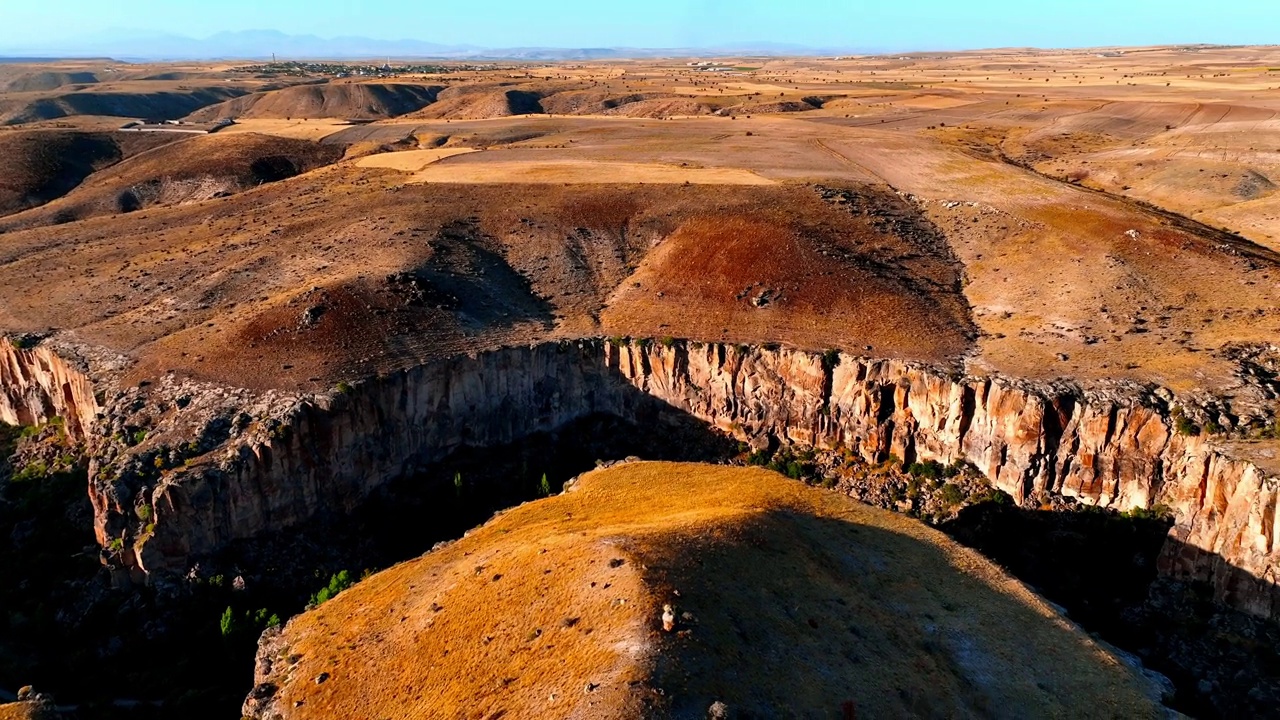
[(262, 44)]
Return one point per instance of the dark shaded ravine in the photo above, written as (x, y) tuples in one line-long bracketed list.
[(379, 471)]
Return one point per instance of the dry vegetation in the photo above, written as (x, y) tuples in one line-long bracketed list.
[(41, 165), (1051, 277), (788, 600), (1079, 215), (200, 168)]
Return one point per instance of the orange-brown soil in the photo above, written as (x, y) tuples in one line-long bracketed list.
[(196, 168), (785, 599), (1021, 161)]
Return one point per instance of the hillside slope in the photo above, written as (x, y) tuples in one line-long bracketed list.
[(197, 168), (41, 165), (786, 600), (329, 100), (160, 104)]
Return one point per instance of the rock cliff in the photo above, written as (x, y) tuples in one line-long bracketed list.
[(182, 469), (38, 383)]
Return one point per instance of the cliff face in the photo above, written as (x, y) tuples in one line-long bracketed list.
[(267, 464), (326, 453), (1114, 450), (37, 384)]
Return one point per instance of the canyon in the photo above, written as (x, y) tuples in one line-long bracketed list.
[(280, 458), (318, 324)]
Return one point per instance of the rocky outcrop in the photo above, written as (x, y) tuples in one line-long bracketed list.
[(324, 454), (219, 465), (1111, 449), (38, 384)]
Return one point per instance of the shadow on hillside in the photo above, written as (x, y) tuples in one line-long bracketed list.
[(212, 673), (464, 276), (804, 616), (1103, 569)]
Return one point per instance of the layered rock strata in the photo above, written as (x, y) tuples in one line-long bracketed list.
[(214, 465)]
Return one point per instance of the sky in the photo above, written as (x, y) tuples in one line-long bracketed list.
[(846, 24)]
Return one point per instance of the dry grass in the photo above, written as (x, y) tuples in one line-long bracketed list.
[(593, 172), (42, 165), (410, 160), (25, 711), (187, 169), (309, 129), (800, 601), (1048, 267), (340, 100)]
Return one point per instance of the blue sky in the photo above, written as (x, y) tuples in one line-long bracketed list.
[(878, 24)]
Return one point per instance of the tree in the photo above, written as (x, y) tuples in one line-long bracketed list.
[(228, 622)]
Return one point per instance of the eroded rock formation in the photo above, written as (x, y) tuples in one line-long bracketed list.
[(39, 383), (213, 465)]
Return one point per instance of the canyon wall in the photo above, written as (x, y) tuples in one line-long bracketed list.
[(318, 454), (38, 384), (327, 453), (1112, 449)]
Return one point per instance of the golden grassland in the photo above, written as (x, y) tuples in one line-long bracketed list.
[(799, 601)]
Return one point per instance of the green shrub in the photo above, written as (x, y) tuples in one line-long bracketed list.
[(34, 470), (1159, 511), (930, 470), (343, 387), (914, 484), (991, 495), (544, 486), (144, 513), (668, 341), (1184, 425), (228, 622), (337, 583), (951, 494), (830, 360)]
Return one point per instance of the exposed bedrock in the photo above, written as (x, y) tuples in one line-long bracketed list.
[(216, 465), (39, 383)]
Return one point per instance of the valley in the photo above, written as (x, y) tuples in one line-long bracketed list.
[(364, 332)]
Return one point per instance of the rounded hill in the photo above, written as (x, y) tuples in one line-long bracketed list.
[(667, 590), (328, 100), (198, 168)]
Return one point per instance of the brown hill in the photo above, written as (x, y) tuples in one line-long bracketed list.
[(329, 100), (474, 102), (41, 165), (785, 600), (198, 168), (488, 271), (781, 271), (48, 80), (786, 106), (144, 104), (661, 108), (591, 102)]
